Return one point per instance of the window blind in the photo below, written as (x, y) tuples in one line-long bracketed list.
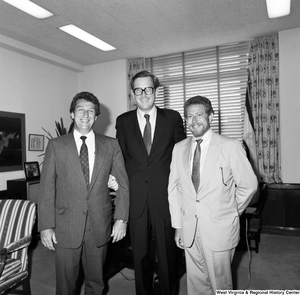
[(219, 73)]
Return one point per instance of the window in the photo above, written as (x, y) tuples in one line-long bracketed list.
[(219, 73)]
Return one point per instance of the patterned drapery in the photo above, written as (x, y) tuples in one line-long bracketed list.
[(264, 100), (134, 66)]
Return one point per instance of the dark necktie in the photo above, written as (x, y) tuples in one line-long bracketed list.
[(84, 160), (196, 165), (147, 133)]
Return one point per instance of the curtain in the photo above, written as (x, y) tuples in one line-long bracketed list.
[(134, 66), (264, 104)]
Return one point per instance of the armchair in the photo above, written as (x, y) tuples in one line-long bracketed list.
[(16, 222)]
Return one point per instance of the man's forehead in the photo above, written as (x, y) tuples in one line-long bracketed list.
[(83, 102), (144, 81), (199, 108)]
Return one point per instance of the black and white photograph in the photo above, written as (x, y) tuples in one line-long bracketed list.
[(32, 170)]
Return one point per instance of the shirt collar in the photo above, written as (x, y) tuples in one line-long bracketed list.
[(152, 113), (206, 137), (77, 135)]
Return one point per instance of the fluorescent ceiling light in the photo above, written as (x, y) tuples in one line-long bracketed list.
[(278, 8), (86, 37), (30, 8)]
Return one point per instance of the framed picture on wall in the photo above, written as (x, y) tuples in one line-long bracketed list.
[(36, 142), (12, 141), (32, 170)]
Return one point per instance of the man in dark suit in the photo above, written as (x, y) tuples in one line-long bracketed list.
[(75, 209), (147, 159)]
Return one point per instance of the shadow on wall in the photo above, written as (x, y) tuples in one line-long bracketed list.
[(103, 120)]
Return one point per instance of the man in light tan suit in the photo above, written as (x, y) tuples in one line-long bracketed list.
[(206, 218), (74, 207)]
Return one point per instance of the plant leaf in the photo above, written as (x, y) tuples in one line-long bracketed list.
[(58, 128), (63, 129), (47, 133)]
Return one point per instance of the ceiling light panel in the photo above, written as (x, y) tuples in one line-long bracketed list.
[(86, 37), (278, 8), (30, 8)]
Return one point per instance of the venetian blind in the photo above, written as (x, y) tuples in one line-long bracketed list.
[(219, 73)]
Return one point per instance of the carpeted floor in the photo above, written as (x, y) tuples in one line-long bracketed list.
[(276, 267)]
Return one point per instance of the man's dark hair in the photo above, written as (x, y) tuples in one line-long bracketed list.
[(88, 97), (144, 74), (199, 100)]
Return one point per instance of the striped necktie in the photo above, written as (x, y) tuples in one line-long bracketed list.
[(84, 160)]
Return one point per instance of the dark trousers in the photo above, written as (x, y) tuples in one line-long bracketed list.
[(141, 231), (68, 262)]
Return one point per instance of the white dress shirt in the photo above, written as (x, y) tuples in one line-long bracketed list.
[(152, 120), (90, 142)]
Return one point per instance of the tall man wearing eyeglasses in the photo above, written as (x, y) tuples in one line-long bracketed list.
[(147, 143)]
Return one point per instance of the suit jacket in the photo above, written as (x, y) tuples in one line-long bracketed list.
[(64, 200), (227, 185), (148, 175)]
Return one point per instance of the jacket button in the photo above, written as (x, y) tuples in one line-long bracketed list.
[(146, 181), (197, 201)]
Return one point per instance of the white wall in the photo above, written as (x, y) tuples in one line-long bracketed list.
[(43, 91), (107, 81), (39, 90), (289, 69)]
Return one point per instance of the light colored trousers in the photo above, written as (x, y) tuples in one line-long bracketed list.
[(207, 271)]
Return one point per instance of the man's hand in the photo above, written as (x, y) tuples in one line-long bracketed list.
[(112, 183), (48, 238), (178, 238), (118, 231)]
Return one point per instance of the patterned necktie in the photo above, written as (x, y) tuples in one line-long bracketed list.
[(84, 160), (196, 165), (147, 133)]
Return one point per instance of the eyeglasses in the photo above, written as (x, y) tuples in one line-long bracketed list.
[(147, 90)]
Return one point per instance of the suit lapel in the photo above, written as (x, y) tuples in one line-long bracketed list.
[(158, 133), (72, 154), (160, 126), (214, 150), (186, 161), (135, 130), (100, 152), (73, 157)]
